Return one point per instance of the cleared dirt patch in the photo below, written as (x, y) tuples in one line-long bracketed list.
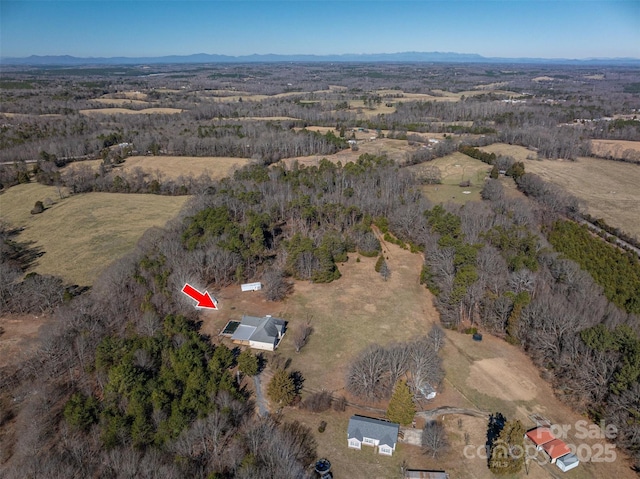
[(81, 234), (19, 337), (175, 166)]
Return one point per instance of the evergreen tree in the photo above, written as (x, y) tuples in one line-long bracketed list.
[(248, 363), (281, 388), (507, 452), (401, 407)]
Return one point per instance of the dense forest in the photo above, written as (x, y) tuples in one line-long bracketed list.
[(124, 385)]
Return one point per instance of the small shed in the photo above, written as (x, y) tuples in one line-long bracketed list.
[(427, 390), (567, 462), (251, 286)]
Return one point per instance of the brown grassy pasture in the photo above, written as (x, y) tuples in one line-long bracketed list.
[(81, 234), (125, 111), (455, 168), (120, 101), (609, 189), (614, 148), (174, 166), (396, 150), (519, 153)]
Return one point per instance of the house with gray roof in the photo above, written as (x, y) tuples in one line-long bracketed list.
[(373, 432), (259, 333)]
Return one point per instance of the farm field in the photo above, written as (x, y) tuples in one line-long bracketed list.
[(614, 148), (361, 309), (608, 188), (120, 101), (455, 168), (110, 225), (126, 111), (175, 166)]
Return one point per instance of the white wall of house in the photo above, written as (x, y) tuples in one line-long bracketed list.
[(263, 346)]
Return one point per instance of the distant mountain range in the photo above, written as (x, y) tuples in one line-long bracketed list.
[(404, 57)]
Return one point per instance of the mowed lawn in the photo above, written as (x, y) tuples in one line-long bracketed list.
[(455, 169), (608, 188), (81, 234)]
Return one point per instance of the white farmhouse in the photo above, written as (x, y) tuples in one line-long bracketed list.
[(373, 432)]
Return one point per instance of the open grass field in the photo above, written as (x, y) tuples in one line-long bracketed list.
[(175, 166), (609, 189), (126, 111), (519, 153), (82, 234), (455, 168)]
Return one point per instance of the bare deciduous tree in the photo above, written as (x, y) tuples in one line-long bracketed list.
[(301, 335), (434, 439)]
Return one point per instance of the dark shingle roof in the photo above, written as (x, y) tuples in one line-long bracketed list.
[(385, 432)]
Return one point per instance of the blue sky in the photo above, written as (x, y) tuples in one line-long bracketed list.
[(507, 28)]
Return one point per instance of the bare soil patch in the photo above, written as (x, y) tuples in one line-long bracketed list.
[(19, 338)]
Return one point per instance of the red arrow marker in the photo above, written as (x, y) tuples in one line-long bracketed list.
[(204, 299)]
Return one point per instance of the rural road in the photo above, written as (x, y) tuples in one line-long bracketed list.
[(260, 401)]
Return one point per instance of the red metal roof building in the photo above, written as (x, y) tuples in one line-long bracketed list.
[(555, 449), (540, 436)]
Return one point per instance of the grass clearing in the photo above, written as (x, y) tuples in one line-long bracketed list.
[(175, 166), (82, 234), (125, 111), (608, 188), (455, 169), (120, 101)]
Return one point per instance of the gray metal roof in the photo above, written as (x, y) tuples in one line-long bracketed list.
[(383, 431), (263, 330), (243, 332)]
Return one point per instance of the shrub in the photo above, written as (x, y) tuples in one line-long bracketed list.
[(318, 402), (38, 208), (322, 426), (340, 404)]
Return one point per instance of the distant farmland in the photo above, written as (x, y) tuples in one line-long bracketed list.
[(608, 188)]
